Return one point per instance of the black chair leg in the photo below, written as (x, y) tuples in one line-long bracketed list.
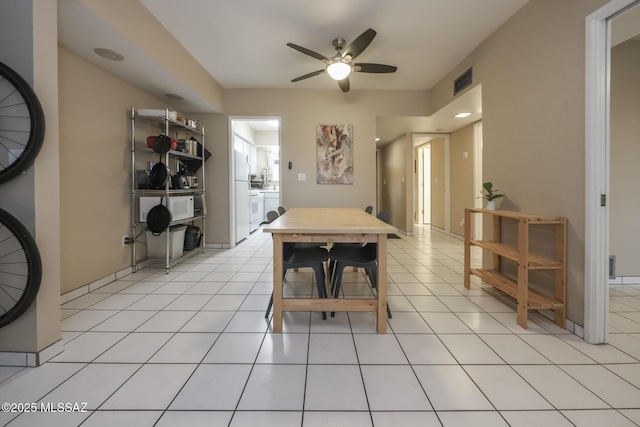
[(266, 315), (331, 272), (320, 281), (337, 282)]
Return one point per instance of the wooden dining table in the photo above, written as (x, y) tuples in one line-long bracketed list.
[(329, 225)]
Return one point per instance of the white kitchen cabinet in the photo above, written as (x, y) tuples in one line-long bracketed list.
[(271, 202)]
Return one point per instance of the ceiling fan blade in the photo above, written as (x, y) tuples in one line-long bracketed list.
[(306, 76), (364, 67), (344, 84), (308, 52), (359, 44)]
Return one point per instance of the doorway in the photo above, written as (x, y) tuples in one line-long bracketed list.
[(431, 195), (423, 189), (597, 168), (254, 158)]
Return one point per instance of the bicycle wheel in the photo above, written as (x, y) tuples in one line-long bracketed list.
[(20, 268), (21, 124)]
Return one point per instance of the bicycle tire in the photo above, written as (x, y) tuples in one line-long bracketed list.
[(20, 268), (22, 124)]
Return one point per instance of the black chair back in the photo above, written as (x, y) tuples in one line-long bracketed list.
[(384, 216), (281, 210), (272, 216), (368, 209)]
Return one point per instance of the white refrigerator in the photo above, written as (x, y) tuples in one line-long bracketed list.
[(242, 187)]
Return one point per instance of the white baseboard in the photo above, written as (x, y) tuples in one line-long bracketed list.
[(71, 295), (30, 359), (625, 280), (217, 246), (438, 229)]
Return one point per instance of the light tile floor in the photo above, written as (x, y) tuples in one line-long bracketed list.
[(192, 348)]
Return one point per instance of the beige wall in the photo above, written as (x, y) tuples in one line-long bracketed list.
[(532, 74), (394, 158), (95, 169), (216, 178), (461, 176), (300, 111), (438, 183), (625, 152)]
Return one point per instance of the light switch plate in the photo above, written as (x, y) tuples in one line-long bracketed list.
[(302, 176)]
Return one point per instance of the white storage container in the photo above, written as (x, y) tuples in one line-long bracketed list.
[(157, 245)]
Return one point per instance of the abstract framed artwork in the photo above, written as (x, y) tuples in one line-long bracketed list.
[(334, 154)]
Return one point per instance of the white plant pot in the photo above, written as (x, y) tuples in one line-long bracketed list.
[(491, 205)]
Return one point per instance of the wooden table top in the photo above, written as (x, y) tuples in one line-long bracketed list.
[(328, 221)]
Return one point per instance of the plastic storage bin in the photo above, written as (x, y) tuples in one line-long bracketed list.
[(157, 245)]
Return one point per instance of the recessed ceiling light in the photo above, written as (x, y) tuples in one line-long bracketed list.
[(462, 115), (174, 96), (108, 54)]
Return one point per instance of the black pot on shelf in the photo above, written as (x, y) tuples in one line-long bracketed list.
[(158, 176), (161, 144), (158, 219)]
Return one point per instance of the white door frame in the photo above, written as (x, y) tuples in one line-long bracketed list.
[(415, 141), (477, 179), (426, 181), (596, 277), (422, 185)]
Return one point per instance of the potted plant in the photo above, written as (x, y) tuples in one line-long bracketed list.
[(490, 195)]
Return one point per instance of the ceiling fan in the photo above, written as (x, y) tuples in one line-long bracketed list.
[(341, 64)]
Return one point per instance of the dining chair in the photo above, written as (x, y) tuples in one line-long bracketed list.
[(365, 257), (272, 216), (369, 209), (281, 210), (294, 257), (384, 216), (357, 255)]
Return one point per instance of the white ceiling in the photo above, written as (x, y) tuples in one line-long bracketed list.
[(242, 43)]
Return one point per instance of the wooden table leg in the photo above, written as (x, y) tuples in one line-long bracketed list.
[(277, 282), (382, 284), (467, 249), (523, 272)]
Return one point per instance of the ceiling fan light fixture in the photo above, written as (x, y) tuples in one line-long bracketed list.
[(339, 70)]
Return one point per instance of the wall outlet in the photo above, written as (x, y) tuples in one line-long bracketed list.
[(126, 240), (462, 222), (302, 176)]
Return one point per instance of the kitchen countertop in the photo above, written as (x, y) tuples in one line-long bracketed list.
[(270, 191)]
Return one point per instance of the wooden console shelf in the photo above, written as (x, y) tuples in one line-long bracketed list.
[(526, 298)]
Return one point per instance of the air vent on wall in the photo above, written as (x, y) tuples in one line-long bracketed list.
[(463, 81), (612, 267)]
